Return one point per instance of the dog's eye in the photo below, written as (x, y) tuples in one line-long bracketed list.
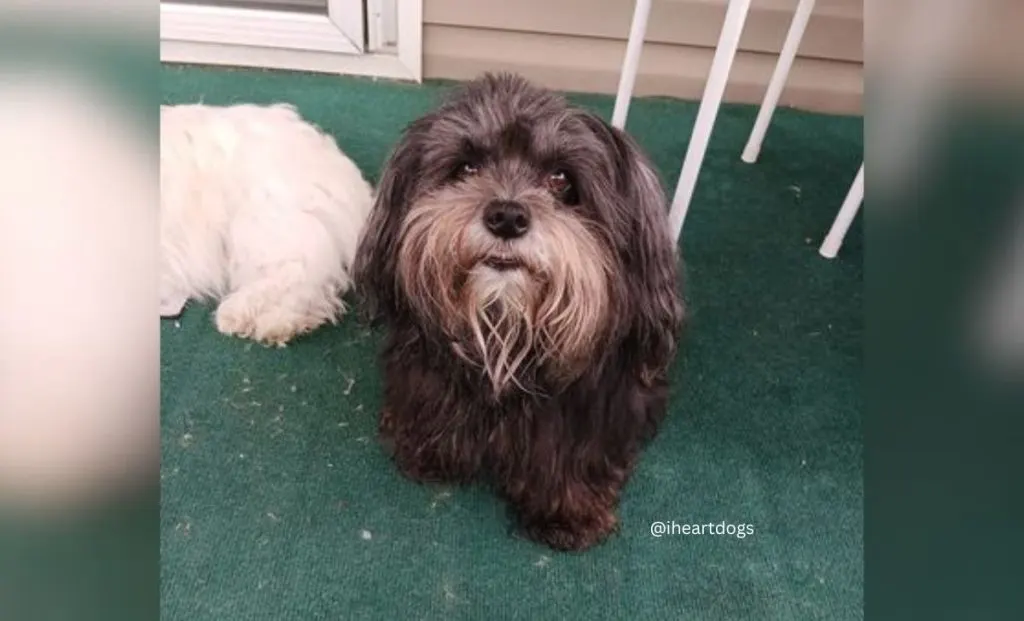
[(467, 170), (559, 183)]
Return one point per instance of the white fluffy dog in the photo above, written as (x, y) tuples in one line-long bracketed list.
[(260, 210)]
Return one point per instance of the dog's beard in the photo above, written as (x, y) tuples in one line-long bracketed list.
[(533, 308)]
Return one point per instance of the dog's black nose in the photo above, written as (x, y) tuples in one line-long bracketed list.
[(506, 219)]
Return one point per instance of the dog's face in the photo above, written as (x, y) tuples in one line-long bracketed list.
[(509, 222)]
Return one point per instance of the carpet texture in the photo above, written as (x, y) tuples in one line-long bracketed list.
[(278, 504)]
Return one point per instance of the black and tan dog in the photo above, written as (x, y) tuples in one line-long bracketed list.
[(520, 256)]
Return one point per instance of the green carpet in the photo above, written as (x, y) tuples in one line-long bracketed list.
[(278, 504)]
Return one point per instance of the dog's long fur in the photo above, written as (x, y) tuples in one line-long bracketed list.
[(260, 210), (545, 377)]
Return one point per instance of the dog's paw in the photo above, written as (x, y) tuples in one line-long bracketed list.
[(572, 534), (429, 468), (271, 326), (421, 472), (426, 465), (172, 305)]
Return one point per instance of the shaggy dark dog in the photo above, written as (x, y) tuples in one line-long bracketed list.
[(519, 254)]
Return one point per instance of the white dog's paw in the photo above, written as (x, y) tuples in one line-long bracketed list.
[(172, 301), (266, 323), (172, 307)]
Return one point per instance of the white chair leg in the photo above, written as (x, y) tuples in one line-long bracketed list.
[(778, 80), (830, 247), (714, 89), (631, 62)]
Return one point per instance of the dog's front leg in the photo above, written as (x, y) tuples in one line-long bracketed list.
[(424, 451), (569, 508)]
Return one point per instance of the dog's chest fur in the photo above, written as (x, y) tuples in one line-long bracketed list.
[(441, 401)]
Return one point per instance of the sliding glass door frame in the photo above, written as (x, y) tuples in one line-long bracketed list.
[(380, 38)]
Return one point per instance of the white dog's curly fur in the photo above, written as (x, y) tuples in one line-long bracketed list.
[(260, 210)]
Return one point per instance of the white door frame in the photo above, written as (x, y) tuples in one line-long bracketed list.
[(331, 43)]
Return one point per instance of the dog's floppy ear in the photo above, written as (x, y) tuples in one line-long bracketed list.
[(374, 269), (649, 253)]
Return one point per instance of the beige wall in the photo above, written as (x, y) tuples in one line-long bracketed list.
[(577, 45)]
